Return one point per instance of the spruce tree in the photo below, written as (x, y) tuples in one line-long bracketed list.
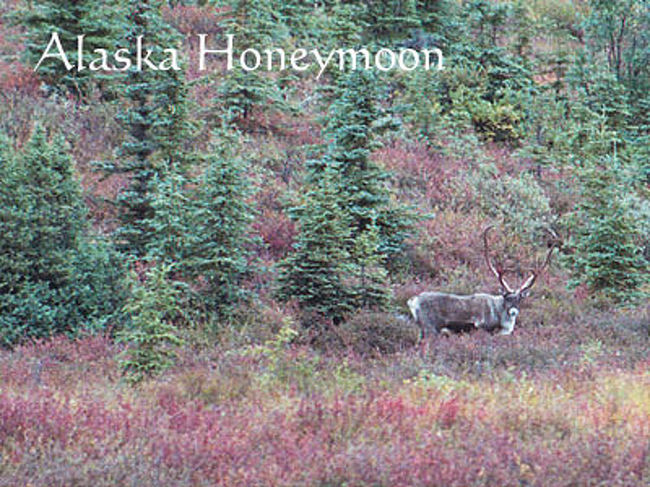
[(371, 278), (151, 336), (222, 216), (355, 120), (351, 128), (392, 19), (606, 252), (349, 227), (301, 18), (101, 24), (154, 117), (200, 224), (171, 198), (55, 276), (47, 213), (437, 16), (172, 220), (617, 34), (346, 25), (319, 273), (253, 24), (380, 23)]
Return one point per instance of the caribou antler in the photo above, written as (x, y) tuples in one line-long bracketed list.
[(495, 271), (440, 312), (531, 280)]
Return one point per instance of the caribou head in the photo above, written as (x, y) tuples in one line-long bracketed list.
[(442, 312)]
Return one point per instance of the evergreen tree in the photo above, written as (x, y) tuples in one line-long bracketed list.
[(352, 225), (380, 23), (485, 82), (151, 336), (155, 118), (618, 32), (605, 150), (610, 78), (352, 118), (253, 24), (302, 18), (354, 122), (348, 225), (372, 288), (200, 225), (318, 274), (606, 251), (100, 23), (55, 277), (172, 223), (437, 17), (222, 216), (601, 93), (344, 28), (171, 200), (392, 19), (346, 25)]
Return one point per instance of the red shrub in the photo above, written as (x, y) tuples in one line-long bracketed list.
[(16, 77), (193, 19), (419, 172), (478, 413), (277, 231), (448, 241)]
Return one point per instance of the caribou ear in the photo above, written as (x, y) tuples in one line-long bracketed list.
[(525, 293)]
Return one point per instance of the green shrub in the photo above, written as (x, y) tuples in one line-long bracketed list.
[(498, 121), (151, 337), (518, 201), (498, 118)]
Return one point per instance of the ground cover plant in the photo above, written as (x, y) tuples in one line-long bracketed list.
[(549, 407)]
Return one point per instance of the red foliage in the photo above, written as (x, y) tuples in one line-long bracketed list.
[(16, 77), (277, 231), (447, 241), (40, 362), (193, 19), (359, 439), (100, 191), (420, 170), (372, 436)]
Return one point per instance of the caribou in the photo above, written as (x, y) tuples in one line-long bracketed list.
[(446, 313)]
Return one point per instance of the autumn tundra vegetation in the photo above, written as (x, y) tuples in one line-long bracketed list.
[(214, 276)]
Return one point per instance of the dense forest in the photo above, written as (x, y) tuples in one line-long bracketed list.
[(205, 266)]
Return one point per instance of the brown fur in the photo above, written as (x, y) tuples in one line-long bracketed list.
[(439, 312)]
